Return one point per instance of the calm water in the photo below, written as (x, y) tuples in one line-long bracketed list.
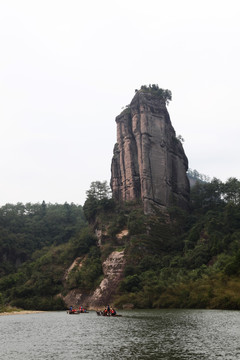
[(148, 334)]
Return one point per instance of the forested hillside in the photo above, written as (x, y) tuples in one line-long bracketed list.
[(27, 233), (27, 228), (175, 259), (195, 262)]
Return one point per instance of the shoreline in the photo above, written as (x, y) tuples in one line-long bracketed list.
[(21, 312)]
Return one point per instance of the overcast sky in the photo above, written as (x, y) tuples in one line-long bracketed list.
[(68, 67)]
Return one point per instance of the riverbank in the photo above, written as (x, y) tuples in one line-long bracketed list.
[(20, 312)]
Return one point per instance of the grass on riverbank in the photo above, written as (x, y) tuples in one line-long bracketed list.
[(9, 309)]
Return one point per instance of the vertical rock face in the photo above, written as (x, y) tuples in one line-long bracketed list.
[(149, 162)]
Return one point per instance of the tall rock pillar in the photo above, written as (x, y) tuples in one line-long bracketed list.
[(149, 162)]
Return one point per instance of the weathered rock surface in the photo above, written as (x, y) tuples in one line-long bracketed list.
[(113, 268), (149, 162)]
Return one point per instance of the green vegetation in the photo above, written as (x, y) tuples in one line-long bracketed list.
[(38, 282), (6, 308), (165, 95), (89, 275), (195, 175), (176, 259), (27, 228), (192, 261), (154, 89), (36, 242), (98, 199)]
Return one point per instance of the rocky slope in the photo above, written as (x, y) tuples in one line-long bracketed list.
[(149, 162), (113, 268)]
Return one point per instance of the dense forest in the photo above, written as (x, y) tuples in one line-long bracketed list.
[(30, 235), (174, 259)]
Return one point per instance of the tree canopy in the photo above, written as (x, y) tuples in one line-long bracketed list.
[(99, 190), (98, 198), (25, 228), (166, 95)]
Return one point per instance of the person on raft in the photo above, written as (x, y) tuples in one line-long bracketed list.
[(105, 312), (109, 311), (113, 312), (72, 310), (82, 310)]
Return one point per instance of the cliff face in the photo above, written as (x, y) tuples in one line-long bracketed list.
[(149, 162)]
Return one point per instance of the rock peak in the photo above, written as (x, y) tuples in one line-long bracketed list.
[(149, 162)]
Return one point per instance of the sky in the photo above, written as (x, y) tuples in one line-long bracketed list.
[(67, 67)]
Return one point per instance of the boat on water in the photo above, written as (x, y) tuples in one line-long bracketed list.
[(102, 313), (76, 312)]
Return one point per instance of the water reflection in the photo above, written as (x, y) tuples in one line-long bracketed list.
[(149, 334)]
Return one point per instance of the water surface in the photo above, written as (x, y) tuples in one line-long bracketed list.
[(143, 334)]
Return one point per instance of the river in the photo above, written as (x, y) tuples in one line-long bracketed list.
[(138, 334)]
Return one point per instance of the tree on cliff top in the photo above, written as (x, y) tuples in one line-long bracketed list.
[(154, 89)]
